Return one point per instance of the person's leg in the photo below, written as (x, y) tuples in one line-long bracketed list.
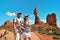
[(29, 38), (24, 38), (20, 36), (17, 36)]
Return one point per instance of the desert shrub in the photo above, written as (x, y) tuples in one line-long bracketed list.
[(56, 32), (55, 37), (7, 27), (48, 31), (34, 28), (42, 30)]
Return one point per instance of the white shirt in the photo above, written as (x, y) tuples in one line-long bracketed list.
[(17, 21)]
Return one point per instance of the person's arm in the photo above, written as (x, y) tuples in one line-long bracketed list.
[(29, 26), (21, 26), (14, 26)]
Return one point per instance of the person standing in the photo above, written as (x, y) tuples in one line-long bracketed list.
[(26, 33), (17, 27)]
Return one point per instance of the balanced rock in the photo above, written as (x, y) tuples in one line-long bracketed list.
[(37, 20)]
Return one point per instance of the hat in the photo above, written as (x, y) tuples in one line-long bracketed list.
[(19, 13), (26, 15)]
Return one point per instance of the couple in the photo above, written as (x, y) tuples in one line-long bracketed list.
[(18, 25)]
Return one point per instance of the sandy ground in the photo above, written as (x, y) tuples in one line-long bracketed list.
[(44, 36), (34, 36), (10, 36)]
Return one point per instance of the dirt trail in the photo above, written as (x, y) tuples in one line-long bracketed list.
[(34, 36), (10, 36)]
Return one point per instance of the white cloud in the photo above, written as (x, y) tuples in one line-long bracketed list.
[(0, 24), (44, 20), (10, 14), (21, 19), (31, 22), (58, 24)]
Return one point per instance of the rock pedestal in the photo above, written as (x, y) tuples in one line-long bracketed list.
[(51, 19), (37, 20)]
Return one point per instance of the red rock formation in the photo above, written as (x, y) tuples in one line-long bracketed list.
[(8, 22), (37, 20), (51, 19)]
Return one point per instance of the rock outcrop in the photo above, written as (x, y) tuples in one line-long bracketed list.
[(37, 20), (8, 35), (51, 19), (8, 22)]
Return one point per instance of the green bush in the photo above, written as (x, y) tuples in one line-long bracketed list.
[(42, 30), (55, 37), (56, 32), (7, 27), (34, 28)]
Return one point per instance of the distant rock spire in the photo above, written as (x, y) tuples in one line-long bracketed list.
[(37, 20)]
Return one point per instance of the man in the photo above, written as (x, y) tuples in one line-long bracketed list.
[(17, 27)]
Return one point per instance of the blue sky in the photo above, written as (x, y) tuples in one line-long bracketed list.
[(45, 7)]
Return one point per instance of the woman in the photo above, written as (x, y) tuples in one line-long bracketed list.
[(26, 33)]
